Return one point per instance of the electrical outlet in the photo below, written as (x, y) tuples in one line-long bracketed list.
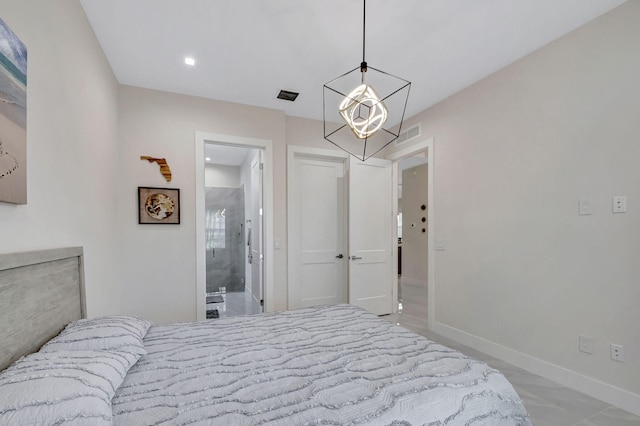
[(617, 352), (619, 204), (585, 344)]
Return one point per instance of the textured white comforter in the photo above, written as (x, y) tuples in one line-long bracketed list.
[(324, 365)]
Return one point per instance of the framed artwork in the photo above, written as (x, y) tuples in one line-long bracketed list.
[(158, 206), (13, 117)]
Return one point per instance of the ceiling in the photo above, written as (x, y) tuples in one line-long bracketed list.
[(246, 51), (226, 155)]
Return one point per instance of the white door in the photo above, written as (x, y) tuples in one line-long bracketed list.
[(255, 234), (318, 265), (371, 235)]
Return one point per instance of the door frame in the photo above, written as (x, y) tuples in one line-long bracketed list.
[(319, 153), (427, 146), (267, 213), (257, 161)]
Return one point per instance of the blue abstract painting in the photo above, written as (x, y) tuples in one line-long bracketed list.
[(13, 117)]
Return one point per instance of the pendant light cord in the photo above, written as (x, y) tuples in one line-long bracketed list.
[(363, 65), (364, 25)]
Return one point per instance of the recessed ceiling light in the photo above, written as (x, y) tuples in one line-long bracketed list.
[(189, 61), (287, 95), (207, 158)]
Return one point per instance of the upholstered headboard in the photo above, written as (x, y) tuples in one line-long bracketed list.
[(40, 292)]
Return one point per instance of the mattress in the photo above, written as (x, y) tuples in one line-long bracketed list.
[(328, 365)]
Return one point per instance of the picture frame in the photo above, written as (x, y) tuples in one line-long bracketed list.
[(13, 117), (158, 206)]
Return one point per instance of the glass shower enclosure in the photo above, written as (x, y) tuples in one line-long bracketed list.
[(225, 246)]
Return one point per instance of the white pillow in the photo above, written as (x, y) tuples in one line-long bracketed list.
[(70, 387), (109, 333)]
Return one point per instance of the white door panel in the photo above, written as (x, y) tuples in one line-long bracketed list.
[(317, 232), (370, 234)]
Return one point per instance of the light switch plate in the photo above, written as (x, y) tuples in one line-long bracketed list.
[(585, 206), (586, 344)]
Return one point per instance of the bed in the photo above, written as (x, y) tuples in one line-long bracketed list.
[(331, 365)]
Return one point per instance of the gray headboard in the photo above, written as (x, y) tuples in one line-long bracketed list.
[(40, 292)]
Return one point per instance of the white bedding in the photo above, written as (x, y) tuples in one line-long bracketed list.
[(328, 365)]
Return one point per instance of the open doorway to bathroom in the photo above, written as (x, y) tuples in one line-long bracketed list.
[(233, 230)]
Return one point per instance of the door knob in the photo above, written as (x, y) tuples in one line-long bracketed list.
[(340, 256), (355, 257)]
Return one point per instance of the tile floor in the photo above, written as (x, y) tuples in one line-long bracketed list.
[(236, 303), (548, 403)]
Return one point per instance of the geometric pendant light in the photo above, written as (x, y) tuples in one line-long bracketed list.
[(363, 109)]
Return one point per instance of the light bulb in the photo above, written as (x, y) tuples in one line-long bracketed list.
[(363, 111)]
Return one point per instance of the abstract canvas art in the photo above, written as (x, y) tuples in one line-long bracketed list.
[(13, 117)]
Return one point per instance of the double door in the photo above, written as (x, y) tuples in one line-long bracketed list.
[(340, 232)]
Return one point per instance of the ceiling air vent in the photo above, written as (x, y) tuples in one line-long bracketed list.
[(410, 133), (287, 95)]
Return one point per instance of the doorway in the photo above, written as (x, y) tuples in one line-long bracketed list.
[(414, 171), (340, 230), (412, 239), (234, 254), (233, 226)]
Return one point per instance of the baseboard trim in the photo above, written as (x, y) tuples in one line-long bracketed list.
[(603, 391)]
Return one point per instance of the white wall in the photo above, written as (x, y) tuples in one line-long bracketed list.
[(222, 176), (158, 262), (522, 274), (72, 149)]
